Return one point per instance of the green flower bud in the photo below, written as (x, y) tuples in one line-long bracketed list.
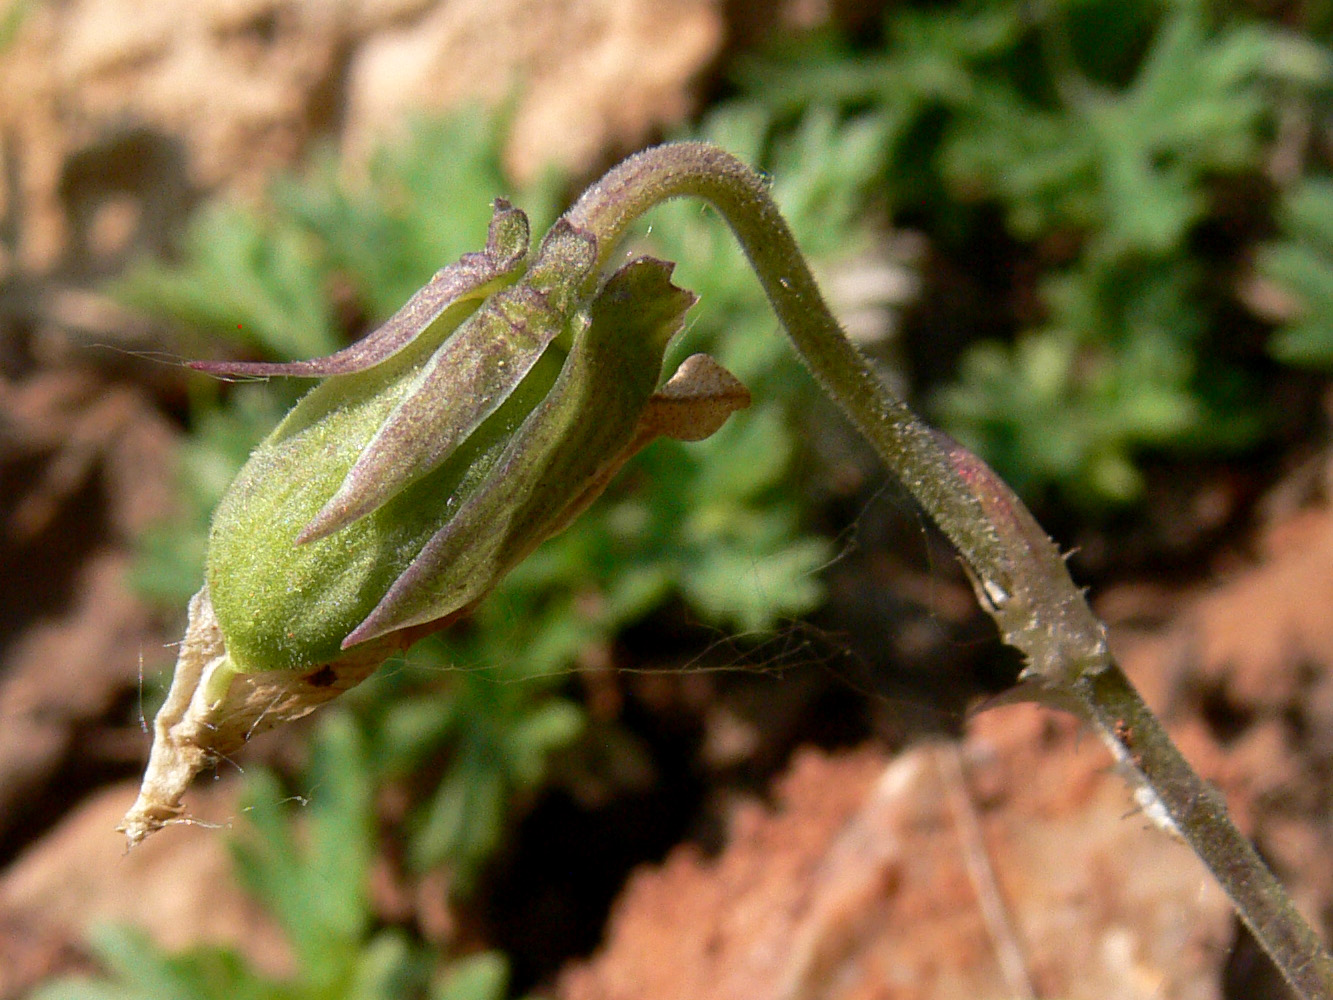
[(434, 456)]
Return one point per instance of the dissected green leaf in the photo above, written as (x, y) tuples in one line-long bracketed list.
[(479, 977), (1301, 265)]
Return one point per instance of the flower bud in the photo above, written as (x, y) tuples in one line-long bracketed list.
[(434, 456)]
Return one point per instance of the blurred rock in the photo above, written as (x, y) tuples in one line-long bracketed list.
[(588, 77), (85, 467), (1244, 671), (115, 114), (858, 886), (124, 107)]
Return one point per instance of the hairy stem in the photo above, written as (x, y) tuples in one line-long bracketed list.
[(694, 169), (1020, 577), (1197, 813)]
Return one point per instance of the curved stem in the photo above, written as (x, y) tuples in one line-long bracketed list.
[(912, 451), (1019, 575)]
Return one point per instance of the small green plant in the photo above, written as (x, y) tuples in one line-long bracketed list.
[(495, 720), (1076, 404), (1128, 114)]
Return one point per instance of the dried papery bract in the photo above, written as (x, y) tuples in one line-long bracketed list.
[(210, 712)]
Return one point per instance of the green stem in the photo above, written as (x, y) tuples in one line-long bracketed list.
[(1198, 815), (1020, 577), (693, 169)]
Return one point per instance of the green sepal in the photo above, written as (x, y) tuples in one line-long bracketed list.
[(284, 606), (583, 426), (438, 530), (465, 380)]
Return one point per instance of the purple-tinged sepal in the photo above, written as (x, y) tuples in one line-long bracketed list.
[(465, 381)]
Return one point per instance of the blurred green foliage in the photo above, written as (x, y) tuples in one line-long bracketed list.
[(1301, 264), (1101, 130)]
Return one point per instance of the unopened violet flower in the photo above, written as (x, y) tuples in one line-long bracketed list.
[(433, 456)]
